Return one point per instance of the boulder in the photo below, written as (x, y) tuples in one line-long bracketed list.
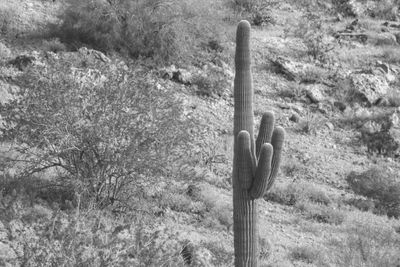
[(383, 38), (369, 87), (93, 55), (382, 136), (315, 93), (293, 70), (386, 70)]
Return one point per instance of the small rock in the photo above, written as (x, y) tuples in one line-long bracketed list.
[(382, 102), (168, 72), (340, 105), (93, 54), (294, 118), (8, 92), (314, 93), (324, 107), (182, 76), (330, 125)]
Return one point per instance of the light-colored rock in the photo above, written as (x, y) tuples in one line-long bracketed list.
[(291, 69), (88, 77), (91, 54), (7, 92), (5, 52), (369, 86), (314, 93), (383, 38), (6, 252), (386, 70)]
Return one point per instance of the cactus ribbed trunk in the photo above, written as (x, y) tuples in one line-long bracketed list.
[(244, 208), (254, 168)]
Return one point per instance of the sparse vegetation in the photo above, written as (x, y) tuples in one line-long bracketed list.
[(381, 185), (116, 133), (164, 30), (103, 135), (305, 254)]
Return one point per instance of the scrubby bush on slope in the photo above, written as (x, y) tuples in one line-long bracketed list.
[(380, 185), (165, 30), (105, 129)]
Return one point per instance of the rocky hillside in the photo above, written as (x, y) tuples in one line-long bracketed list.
[(116, 151)]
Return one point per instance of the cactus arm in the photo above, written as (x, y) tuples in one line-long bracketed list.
[(266, 129), (245, 160), (263, 171), (277, 140)]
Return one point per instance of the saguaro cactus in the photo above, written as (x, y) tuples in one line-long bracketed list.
[(255, 164)]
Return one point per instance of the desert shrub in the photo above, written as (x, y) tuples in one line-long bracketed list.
[(257, 12), (366, 240), (311, 124), (213, 82), (313, 74), (91, 238), (315, 36), (165, 30), (265, 248), (297, 192), (361, 204), (62, 195), (385, 9), (7, 15), (106, 131), (305, 254), (293, 168), (320, 213), (53, 45), (391, 54), (379, 184), (344, 7), (293, 91)]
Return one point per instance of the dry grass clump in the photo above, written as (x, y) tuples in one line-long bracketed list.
[(311, 124), (306, 254)]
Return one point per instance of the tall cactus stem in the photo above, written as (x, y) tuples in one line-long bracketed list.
[(255, 164)]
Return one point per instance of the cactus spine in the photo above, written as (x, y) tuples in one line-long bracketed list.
[(255, 164)]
